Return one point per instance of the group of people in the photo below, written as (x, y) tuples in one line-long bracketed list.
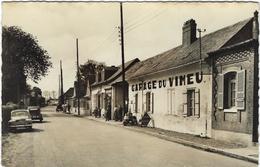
[(107, 113), (63, 107), (118, 113)]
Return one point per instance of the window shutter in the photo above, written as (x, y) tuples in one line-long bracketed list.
[(168, 101), (184, 95), (152, 102), (220, 91), (240, 96), (173, 111), (197, 102)]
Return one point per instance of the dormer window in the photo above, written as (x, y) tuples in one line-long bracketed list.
[(99, 77)]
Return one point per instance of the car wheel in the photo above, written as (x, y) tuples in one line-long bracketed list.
[(41, 120)]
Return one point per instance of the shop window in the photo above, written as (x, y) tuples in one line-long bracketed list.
[(231, 87), (171, 101), (191, 105)]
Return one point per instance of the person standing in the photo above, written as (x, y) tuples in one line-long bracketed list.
[(120, 113), (108, 113)]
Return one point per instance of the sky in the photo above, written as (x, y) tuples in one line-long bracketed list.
[(150, 28)]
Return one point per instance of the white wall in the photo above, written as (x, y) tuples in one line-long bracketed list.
[(176, 121)]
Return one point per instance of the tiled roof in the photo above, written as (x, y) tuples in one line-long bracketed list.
[(185, 54), (69, 92), (118, 73)]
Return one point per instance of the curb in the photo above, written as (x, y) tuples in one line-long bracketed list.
[(185, 143)]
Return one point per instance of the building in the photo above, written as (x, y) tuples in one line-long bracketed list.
[(79, 92), (100, 92), (184, 89), (110, 90), (68, 96)]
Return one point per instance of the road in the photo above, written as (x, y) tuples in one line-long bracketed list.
[(67, 141)]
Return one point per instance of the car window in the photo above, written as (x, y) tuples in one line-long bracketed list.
[(20, 113)]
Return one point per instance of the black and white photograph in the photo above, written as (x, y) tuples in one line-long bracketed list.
[(130, 84)]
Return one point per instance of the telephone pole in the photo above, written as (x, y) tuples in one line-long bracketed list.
[(123, 58), (61, 84), (78, 79), (200, 31)]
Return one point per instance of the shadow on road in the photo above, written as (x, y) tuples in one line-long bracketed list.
[(38, 122), (27, 130)]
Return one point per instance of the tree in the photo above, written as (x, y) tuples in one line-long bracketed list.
[(88, 70), (22, 59)]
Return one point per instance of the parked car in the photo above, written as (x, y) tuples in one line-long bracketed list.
[(35, 112), (20, 118)]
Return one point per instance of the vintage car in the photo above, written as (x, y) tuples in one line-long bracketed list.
[(20, 118), (35, 112)]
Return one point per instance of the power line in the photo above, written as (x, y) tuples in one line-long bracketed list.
[(140, 19), (145, 21), (110, 36), (135, 24)]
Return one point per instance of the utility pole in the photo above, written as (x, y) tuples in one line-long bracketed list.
[(61, 84), (123, 58), (200, 31), (78, 85), (59, 87)]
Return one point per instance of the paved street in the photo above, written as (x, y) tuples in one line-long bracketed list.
[(68, 141)]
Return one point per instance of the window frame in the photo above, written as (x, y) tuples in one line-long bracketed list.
[(227, 92), (136, 103), (148, 103), (191, 110), (171, 110)]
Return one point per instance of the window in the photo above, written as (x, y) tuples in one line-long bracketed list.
[(148, 101), (99, 76), (231, 91), (191, 102), (136, 102)]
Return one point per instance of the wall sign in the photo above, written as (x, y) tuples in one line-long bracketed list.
[(180, 80)]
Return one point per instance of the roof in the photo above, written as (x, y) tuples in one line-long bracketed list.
[(118, 73), (69, 92), (186, 54)]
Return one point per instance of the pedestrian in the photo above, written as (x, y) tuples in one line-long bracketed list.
[(96, 112), (115, 113), (69, 107), (108, 113), (103, 113), (120, 113)]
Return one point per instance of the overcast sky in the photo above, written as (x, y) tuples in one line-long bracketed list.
[(151, 28)]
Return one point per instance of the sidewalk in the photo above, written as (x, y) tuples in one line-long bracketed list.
[(207, 144)]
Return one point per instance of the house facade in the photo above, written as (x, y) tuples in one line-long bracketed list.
[(206, 86), (110, 91), (235, 86)]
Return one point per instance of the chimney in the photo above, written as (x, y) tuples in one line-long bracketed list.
[(255, 25), (189, 32)]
